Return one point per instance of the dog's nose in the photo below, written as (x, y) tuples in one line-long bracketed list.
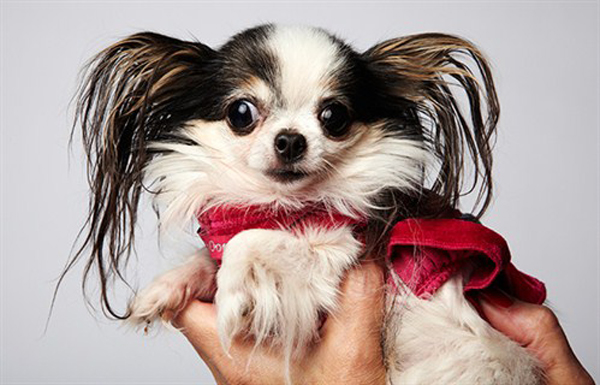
[(290, 146)]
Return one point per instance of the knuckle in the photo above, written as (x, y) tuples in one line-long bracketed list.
[(545, 318)]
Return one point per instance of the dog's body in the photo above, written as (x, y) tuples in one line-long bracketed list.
[(283, 118), (439, 340)]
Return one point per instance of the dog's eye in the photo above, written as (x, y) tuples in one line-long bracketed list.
[(242, 116), (335, 119)]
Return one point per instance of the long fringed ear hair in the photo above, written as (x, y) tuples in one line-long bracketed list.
[(136, 91), (422, 70)]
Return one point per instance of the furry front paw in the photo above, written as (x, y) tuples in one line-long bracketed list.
[(162, 300), (168, 294), (259, 295), (274, 285)]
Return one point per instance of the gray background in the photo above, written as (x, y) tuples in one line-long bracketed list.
[(546, 65)]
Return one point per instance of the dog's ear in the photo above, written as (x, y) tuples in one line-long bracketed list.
[(425, 71), (136, 91)]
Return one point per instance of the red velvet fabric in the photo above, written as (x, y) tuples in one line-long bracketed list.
[(424, 252), (219, 225)]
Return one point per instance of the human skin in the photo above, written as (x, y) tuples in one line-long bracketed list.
[(349, 350), (538, 330)]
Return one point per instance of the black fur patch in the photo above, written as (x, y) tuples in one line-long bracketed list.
[(146, 87)]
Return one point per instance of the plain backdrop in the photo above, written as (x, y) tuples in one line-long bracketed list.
[(545, 58)]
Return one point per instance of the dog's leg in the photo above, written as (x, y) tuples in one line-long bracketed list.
[(274, 285), (443, 340), (170, 292)]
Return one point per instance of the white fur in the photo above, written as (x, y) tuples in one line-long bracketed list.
[(169, 293), (211, 173), (306, 59), (222, 168), (443, 340), (274, 285), (307, 62)]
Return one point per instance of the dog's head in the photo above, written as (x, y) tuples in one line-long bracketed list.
[(282, 116)]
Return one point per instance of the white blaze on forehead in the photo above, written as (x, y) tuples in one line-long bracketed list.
[(306, 57)]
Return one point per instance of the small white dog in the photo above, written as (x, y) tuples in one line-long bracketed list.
[(298, 156)]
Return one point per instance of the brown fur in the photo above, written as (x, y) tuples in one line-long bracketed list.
[(145, 87)]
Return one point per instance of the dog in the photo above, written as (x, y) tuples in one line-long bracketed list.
[(299, 156)]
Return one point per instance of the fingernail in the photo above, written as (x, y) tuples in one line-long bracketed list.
[(497, 298)]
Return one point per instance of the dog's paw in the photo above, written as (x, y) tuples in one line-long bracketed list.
[(169, 293), (274, 286)]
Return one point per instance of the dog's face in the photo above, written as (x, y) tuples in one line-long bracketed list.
[(291, 115), (281, 116), (295, 119)]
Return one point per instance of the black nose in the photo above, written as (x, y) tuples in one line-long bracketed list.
[(289, 146)]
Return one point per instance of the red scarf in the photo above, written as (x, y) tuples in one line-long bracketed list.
[(425, 253)]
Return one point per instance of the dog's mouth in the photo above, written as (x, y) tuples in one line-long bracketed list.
[(286, 175)]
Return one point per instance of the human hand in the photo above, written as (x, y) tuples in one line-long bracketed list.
[(348, 352), (537, 329)]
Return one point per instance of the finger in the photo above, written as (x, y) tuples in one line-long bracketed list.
[(198, 322), (522, 322), (536, 328), (360, 307)]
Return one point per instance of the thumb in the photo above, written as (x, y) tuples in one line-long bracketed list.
[(522, 322), (536, 328)]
